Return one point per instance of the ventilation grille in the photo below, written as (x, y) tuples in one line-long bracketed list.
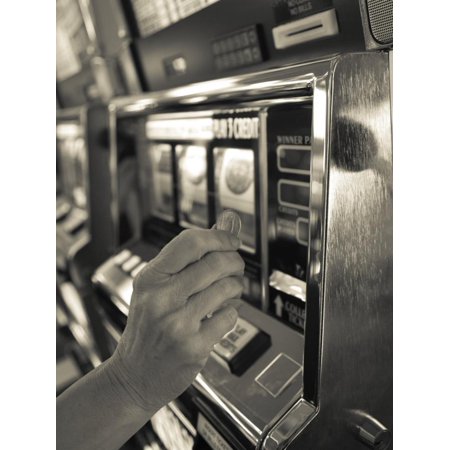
[(380, 19)]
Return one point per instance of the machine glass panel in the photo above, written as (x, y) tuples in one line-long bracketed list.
[(192, 185), (235, 189), (72, 163), (159, 161)]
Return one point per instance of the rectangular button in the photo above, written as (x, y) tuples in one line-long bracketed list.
[(302, 231), (136, 270), (234, 341), (121, 257), (294, 159), (277, 376), (293, 193), (129, 265)]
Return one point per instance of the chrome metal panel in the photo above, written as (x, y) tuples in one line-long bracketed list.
[(114, 175), (356, 346), (301, 414), (280, 82)]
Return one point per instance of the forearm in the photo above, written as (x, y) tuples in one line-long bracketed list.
[(97, 413)]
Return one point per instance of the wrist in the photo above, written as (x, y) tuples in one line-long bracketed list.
[(121, 389), (123, 385)]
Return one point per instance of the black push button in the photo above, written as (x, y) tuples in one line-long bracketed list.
[(242, 346)]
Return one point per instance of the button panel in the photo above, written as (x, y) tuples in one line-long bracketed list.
[(132, 263), (238, 49), (233, 342), (121, 257), (136, 270)]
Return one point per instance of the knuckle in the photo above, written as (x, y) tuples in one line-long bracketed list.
[(172, 328), (231, 316), (212, 260), (231, 286), (237, 262)]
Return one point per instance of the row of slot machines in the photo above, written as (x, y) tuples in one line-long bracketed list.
[(303, 154)]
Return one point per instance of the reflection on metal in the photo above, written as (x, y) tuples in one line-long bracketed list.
[(113, 170), (288, 284), (246, 427), (264, 208), (87, 13), (292, 423), (286, 81), (356, 290)]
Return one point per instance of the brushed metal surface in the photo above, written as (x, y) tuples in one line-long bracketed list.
[(356, 343)]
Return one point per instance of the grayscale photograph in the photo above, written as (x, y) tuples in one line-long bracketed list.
[(224, 225)]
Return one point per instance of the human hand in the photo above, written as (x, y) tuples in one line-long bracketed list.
[(170, 331)]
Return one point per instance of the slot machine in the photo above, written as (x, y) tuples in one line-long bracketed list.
[(303, 154), (72, 216), (296, 140), (93, 65), (93, 56)]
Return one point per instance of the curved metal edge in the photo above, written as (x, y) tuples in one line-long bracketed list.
[(113, 170), (248, 429), (281, 82), (307, 408)]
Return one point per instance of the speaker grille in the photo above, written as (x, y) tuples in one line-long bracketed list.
[(380, 20)]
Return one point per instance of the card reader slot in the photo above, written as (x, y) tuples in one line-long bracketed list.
[(307, 29)]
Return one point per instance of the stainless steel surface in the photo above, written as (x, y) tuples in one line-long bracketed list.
[(356, 291), (293, 422)]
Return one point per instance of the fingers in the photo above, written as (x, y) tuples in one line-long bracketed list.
[(211, 268), (214, 329), (190, 246), (212, 298)]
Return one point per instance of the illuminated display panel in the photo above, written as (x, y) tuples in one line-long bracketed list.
[(192, 185), (235, 189), (155, 15), (72, 161), (159, 161)]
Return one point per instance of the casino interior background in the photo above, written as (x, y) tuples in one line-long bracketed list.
[(171, 111)]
